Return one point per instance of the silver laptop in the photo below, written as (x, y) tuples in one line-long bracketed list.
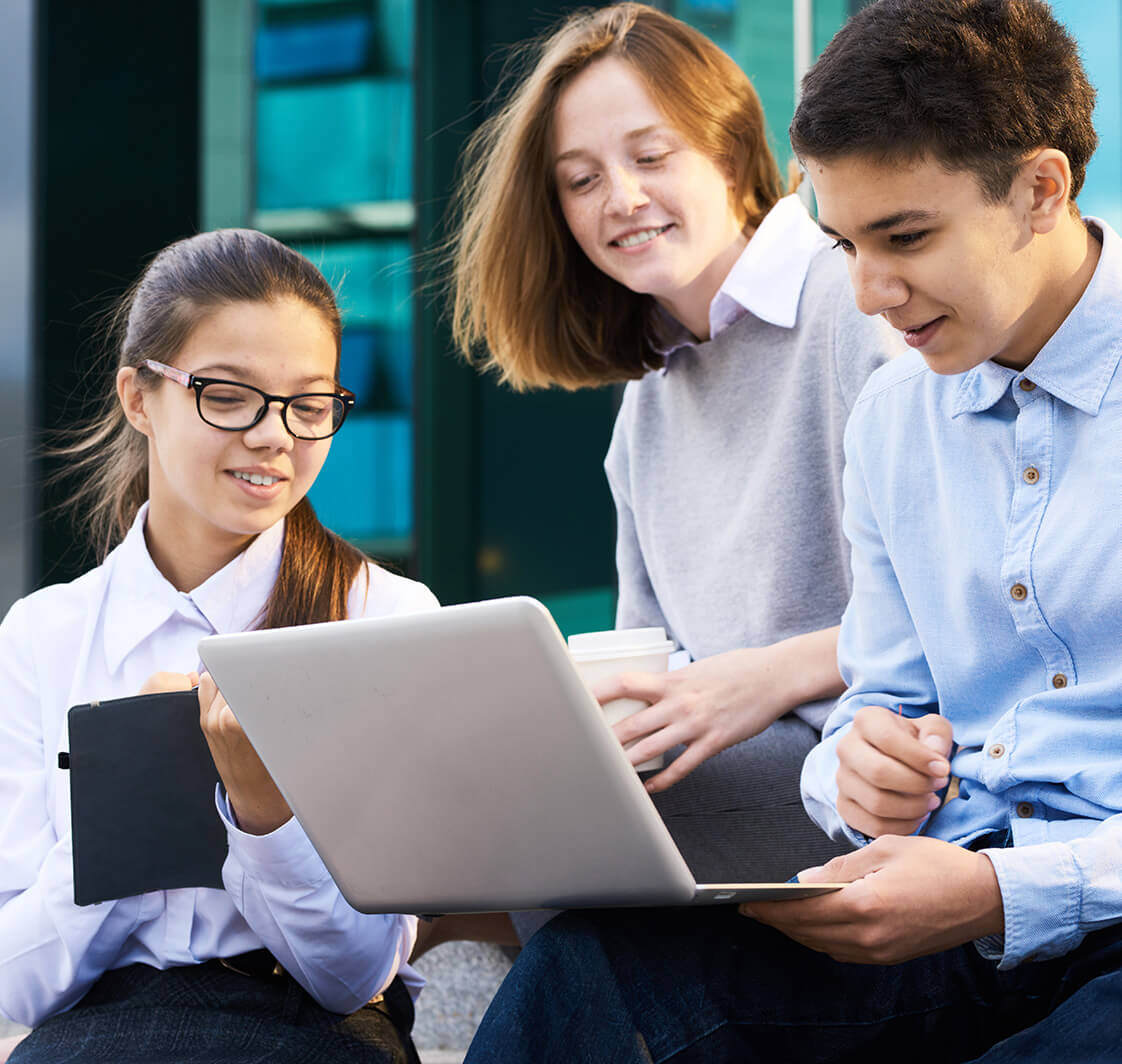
[(452, 761)]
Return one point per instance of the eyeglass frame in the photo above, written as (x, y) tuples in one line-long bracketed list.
[(197, 384)]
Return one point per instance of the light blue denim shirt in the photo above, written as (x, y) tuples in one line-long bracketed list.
[(985, 515)]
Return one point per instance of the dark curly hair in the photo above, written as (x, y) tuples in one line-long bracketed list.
[(977, 85)]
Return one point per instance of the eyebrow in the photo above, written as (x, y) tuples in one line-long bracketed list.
[(635, 134), (890, 221), (238, 374)]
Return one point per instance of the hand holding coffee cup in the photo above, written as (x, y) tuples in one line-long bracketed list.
[(600, 656)]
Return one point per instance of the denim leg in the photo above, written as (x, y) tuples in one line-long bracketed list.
[(1086, 1025), (560, 1004), (705, 986)]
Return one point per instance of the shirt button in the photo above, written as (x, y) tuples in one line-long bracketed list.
[(1019, 592), (1026, 385), (1024, 810), (1032, 475), (1059, 680), (997, 750)]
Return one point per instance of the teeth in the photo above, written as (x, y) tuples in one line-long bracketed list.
[(256, 478), (640, 238)]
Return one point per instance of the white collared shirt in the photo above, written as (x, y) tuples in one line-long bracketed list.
[(101, 637), (767, 278)]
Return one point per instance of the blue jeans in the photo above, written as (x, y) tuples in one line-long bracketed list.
[(207, 1014), (704, 986)]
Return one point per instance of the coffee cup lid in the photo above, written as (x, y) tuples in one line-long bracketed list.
[(622, 642)]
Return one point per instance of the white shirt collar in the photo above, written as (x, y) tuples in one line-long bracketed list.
[(766, 280), (139, 599)]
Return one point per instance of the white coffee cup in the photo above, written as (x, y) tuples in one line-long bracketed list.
[(602, 655)]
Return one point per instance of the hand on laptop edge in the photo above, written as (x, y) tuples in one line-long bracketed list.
[(256, 801), (906, 897)]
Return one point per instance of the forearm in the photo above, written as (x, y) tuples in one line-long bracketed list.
[(809, 662)]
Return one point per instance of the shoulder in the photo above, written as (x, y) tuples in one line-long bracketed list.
[(896, 402), (51, 612), (377, 592)]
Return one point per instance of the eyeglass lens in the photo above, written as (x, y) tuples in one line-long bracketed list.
[(232, 406)]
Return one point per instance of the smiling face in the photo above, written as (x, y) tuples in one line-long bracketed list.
[(210, 491), (963, 278), (647, 209)]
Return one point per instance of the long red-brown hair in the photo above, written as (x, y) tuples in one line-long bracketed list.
[(526, 300)]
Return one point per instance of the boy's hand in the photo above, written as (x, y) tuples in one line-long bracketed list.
[(907, 897), (889, 770)]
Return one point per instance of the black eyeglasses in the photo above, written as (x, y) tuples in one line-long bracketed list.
[(235, 407)]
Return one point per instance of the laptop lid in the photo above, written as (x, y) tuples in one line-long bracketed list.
[(450, 761)]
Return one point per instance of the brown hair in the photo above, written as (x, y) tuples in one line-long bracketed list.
[(522, 287), (108, 459), (978, 85)]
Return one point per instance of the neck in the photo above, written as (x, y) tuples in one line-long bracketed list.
[(1072, 254), (691, 305), (185, 557)]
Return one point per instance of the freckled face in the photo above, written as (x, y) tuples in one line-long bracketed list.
[(197, 473), (955, 273), (646, 208)]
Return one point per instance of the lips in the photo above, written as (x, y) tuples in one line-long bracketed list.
[(920, 335), (638, 237)]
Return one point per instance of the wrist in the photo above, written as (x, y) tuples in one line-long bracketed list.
[(809, 666)]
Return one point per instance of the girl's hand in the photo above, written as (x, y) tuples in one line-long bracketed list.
[(889, 770), (257, 804), (160, 682), (716, 702)]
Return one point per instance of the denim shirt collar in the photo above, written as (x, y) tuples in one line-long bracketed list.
[(1078, 362)]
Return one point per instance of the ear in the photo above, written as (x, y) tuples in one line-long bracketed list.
[(132, 397), (1048, 175)]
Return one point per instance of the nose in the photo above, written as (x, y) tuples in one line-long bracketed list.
[(625, 191), (270, 431), (877, 286)]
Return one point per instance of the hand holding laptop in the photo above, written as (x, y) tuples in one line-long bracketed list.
[(256, 802)]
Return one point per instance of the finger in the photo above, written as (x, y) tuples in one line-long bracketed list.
[(208, 693), (193, 678), (678, 769), (648, 686), (896, 737), (935, 731), (878, 769), (881, 802), (643, 722), (870, 824)]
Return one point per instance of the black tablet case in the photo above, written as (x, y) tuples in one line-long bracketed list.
[(142, 798)]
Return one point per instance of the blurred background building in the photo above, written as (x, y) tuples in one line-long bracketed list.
[(335, 125)]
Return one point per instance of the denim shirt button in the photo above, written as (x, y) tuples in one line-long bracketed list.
[(1032, 475), (1059, 680), (1024, 810), (997, 750), (1019, 592)]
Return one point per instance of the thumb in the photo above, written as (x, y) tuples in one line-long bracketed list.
[(934, 731), (846, 868)]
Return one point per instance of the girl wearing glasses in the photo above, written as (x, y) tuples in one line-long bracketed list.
[(655, 246), (193, 484)]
